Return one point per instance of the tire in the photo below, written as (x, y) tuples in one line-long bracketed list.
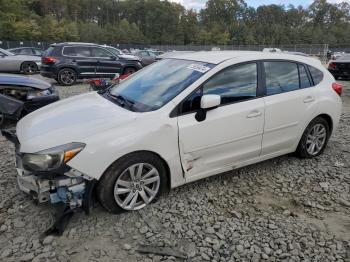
[(113, 181), (67, 77), (2, 119), (29, 68), (129, 70), (317, 126)]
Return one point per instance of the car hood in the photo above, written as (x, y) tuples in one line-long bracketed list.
[(18, 80), (70, 120)]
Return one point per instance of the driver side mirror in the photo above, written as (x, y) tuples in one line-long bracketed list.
[(114, 58), (208, 102)]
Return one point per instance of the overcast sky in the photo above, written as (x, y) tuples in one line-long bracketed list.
[(198, 4)]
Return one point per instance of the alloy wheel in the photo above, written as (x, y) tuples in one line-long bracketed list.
[(67, 77), (137, 186), (316, 139), (29, 68)]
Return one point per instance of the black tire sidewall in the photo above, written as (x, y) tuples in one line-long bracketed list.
[(302, 150), (128, 69), (59, 76), (25, 64), (105, 187), (2, 119)]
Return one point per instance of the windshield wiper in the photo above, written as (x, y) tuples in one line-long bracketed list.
[(121, 100)]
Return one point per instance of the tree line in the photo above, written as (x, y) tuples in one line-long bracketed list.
[(158, 22)]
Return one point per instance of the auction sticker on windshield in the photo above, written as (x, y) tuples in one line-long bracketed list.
[(198, 67)]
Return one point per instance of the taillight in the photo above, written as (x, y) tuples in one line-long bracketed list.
[(332, 65), (48, 59), (338, 88)]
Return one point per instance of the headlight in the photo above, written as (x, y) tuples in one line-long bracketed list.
[(51, 159), (33, 94)]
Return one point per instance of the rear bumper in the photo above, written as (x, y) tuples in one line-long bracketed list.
[(48, 71), (339, 73)]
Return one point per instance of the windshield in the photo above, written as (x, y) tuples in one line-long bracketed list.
[(5, 52), (157, 84)]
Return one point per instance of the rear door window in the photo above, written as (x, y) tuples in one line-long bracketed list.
[(317, 75), (281, 77), (24, 51), (82, 51)]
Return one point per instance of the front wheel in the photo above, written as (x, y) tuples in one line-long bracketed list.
[(67, 76), (314, 139), (132, 183)]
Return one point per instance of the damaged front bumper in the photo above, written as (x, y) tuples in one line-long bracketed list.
[(65, 186)]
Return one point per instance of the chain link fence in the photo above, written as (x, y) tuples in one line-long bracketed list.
[(317, 50)]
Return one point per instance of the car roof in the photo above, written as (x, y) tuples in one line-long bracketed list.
[(74, 43), (9, 79), (217, 57)]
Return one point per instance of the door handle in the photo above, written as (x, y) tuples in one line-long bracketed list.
[(309, 99), (254, 114)]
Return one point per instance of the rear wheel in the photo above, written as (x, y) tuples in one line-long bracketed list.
[(67, 76), (315, 138), (132, 183), (29, 68)]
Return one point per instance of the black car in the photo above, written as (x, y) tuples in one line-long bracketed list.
[(340, 68), (20, 95), (27, 51), (67, 62)]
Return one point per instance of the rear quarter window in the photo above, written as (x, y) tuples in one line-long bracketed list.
[(317, 75)]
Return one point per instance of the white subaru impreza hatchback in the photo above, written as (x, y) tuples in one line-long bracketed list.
[(179, 120)]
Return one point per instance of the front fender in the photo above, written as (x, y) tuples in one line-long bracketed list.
[(159, 136)]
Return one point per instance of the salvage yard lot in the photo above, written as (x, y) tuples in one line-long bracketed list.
[(284, 209)]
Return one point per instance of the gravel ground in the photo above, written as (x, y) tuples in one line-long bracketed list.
[(284, 209)]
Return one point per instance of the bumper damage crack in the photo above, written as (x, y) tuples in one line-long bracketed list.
[(65, 212), (67, 189)]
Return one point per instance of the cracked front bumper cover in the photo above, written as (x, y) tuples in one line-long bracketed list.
[(65, 184), (65, 187)]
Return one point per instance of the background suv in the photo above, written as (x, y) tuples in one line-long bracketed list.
[(67, 62)]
